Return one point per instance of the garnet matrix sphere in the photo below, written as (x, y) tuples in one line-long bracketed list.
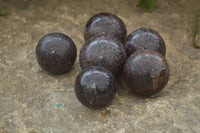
[(103, 51), (145, 38), (95, 87), (56, 53), (105, 24), (146, 72)]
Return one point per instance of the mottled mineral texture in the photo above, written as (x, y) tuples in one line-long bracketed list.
[(29, 96)]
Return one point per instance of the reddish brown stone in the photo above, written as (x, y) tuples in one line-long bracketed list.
[(56, 53), (103, 51), (95, 87), (146, 72), (145, 38), (106, 24)]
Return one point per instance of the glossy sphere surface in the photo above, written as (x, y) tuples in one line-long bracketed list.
[(105, 52), (145, 38), (105, 24), (95, 87), (56, 53), (146, 72)]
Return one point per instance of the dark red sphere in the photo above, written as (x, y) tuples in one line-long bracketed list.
[(145, 38), (56, 53), (105, 24), (95, 87), (103, 51), (146, 72)]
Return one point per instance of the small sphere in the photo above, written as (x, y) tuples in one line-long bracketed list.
[(103, 51), (146, 72), (105, 24), (145, 38), (95, 87), (56, 53)]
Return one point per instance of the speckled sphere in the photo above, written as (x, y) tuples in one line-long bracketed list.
[(103, 51), (145, 38), (105, 24), (56, 53), (95, 87), (146, 72)]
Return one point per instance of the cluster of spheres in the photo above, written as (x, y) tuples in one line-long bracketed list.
[(107, 54)]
